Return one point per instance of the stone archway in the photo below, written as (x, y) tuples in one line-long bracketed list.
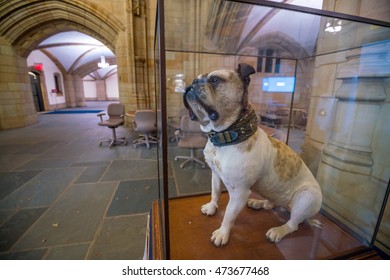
[(22, 26), (22, 19)]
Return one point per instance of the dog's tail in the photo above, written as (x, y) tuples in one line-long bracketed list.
[(315, 223)]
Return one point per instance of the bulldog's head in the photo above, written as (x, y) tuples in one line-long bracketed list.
[(217, 99)]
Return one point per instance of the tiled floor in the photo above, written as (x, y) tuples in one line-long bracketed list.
[(62, 196)]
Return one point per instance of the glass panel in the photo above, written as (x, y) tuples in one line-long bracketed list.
[(346, 134), (230, 28), (321, 85), (190, 177)]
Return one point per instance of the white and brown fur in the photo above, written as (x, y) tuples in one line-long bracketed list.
[(260, 164)]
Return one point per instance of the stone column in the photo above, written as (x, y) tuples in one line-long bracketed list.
[(101, 90), (70, 97), (140, 54), (142, 95), (79, 90), (350, 191), (125, 57), (16, 102), (74, 90)]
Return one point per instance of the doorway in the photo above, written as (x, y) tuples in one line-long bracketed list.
[(36, 91)]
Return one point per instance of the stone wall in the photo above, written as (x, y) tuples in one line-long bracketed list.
[(16, 102)]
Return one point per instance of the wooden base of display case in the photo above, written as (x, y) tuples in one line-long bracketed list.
[(190, 233), (156, 252)]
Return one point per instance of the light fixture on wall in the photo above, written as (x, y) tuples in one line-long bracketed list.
[(103, 63), (333, 26)]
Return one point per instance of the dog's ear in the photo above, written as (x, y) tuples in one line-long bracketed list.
[(245, 70)]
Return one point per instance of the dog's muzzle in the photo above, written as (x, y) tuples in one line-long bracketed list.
[(191, 95)]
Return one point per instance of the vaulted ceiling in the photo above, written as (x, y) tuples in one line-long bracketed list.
[(78, 53)]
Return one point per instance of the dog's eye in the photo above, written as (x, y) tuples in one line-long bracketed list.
[(214, 80)]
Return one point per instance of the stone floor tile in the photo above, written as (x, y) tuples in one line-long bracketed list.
[(192, 178), (43, 189), (66, 150), (92, 163), (10, 148), (69, 252), (10, 162), (10, 181), (92, 174), (133, 197), (131, 170), (133, 153), (121, 238), (146, 153), (73, 218), (16, 226), (5, 215), (97, 153), (46, 163), (38, 148), (36, 254)]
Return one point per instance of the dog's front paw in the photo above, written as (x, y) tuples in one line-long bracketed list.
[(220, 237), (209, 209)]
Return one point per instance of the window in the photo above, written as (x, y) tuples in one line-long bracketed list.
[(58, 83), (267, 63), (277, 65)]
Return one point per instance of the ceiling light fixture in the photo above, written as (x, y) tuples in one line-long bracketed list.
[(103, 63)]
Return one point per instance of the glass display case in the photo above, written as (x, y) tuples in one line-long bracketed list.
[(322, 86)]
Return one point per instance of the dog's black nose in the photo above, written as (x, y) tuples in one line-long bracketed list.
[(187, 89)]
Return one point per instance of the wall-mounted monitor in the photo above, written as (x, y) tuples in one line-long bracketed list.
[(278, 84)]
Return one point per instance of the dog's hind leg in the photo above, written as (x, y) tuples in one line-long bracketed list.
[(304, 205), (260, 204)]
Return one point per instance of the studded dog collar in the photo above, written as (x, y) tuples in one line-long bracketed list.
[(238, 132)]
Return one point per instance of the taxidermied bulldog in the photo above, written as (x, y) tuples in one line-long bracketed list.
[(245, 158)]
